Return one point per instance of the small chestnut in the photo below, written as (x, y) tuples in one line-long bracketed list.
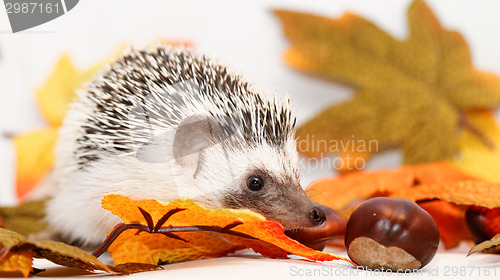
[(388, 233)]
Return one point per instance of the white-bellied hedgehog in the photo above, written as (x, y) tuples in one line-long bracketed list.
[(163, 123)]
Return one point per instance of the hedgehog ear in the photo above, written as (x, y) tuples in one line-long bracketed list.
[(192, 136)]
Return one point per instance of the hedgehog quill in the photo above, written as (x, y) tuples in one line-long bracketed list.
[(165, 123)]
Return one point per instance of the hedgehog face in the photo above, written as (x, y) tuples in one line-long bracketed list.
[(266, 180), (260, 176)]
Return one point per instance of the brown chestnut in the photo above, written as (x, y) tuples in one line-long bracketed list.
[(483, 223), (388, 233), (317, 237)]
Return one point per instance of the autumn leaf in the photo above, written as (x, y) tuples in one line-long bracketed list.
[(35, 157), (58, 91), (477, 159), (182, 230), (17, 253), (35, 149), (359, 186), (21, 261), (24, 219), (420, 183), (478, 193), (411, 93), (488, 246), (450, 219), (129, 268)]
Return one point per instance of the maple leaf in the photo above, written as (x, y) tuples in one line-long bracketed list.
[(24, 219), (477, 159), (359, 186), (17, 253), (58, 91), (21, 261), (411, 93), (181, 230), (35, 149), (35, 157)]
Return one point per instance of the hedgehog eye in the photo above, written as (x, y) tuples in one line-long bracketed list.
[(255, 183)]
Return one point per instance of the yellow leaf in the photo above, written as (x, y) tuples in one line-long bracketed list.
[(58, 91), (34, 157), (476, 158), (17, 261), (411, 92)]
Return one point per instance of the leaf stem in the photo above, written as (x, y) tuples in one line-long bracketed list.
[(464, 121), (166, 230)]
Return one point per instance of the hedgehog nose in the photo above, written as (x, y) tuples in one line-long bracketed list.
[(317, 215), (327, 225)]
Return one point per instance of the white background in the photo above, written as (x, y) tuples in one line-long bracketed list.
[(244, 35)]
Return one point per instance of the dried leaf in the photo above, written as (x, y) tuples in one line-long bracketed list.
[(476, 158), (11, 259), (488, 246), (220, 231), (67, 255), (16, 250), (129, 268), (24, 219), (9, 240), (17, 261), (410, 91)]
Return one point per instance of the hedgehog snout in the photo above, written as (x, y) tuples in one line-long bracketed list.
[(328, 225)]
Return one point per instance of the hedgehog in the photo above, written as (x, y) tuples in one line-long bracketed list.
[(166, 123)]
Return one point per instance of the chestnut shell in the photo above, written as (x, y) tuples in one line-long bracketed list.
[(483, 223), (395, 222)]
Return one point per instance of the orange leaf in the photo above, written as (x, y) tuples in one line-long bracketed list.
[(17, 261), (450, 220), (264, 237), (460, 192), (35, 156), (358, 186), (422, 182)]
